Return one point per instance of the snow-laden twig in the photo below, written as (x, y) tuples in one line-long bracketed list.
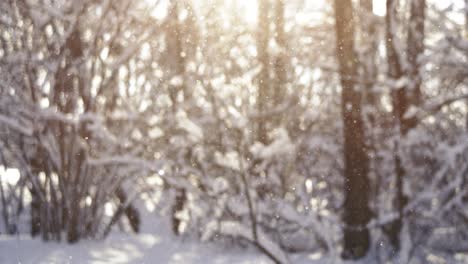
[(15, 125), (432, 107), (262, 242)]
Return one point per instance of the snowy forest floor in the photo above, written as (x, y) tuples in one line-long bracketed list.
[(121, 248), (158, 247), (154, 245)]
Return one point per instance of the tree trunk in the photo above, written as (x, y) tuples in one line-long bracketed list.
[(399, 100), (370, 105), (35, 213), (126, 208), (356, 209), (178, 206), (179, 68), (415, 48), (262, 78), (405, 96), (466, 36), (4, 208), (370, 45), (280, 59), (130, 211)]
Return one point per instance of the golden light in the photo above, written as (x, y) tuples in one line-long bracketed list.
[(379, 7), (9, 175), (249, 10)]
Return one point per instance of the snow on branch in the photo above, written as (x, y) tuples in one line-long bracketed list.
[(15, 125), (127, 160), (287, 106), (263, 242), (432, 107)]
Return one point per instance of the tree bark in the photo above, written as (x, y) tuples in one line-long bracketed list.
[(369, 41), (280, 59), (35, 213), (178, 206), (262, 78), (405, 96), (179, 67), (466, 36), (356, 187), (370, 105), (415, 48)]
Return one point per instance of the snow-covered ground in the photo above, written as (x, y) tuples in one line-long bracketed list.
[(125, 248), (122, 248), (154, 245), (144, 248)]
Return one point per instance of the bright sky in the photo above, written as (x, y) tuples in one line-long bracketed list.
[(10, 176), (379, 5), (249, 8)]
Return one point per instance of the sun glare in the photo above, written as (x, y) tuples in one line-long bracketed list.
[(379, 7), (249, 10), (9, 175)]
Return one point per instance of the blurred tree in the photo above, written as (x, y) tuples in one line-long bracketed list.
[(356, 186)]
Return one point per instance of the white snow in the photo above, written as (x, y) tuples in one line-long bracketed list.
[(194, 131), (121, 248), (155, 244), (14, 124), (229, 160), (281, 145)]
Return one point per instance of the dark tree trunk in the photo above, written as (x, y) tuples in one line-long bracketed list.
[(180, 42), (370, 105), (399, 106), (179, 68), (124, 208), (179, 204), (395, 71), (73, 234), (4, 208), (415, 48), (466, 36), (356, 186), (368, 58), (405, 96), (35, 213), (130, 211)]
